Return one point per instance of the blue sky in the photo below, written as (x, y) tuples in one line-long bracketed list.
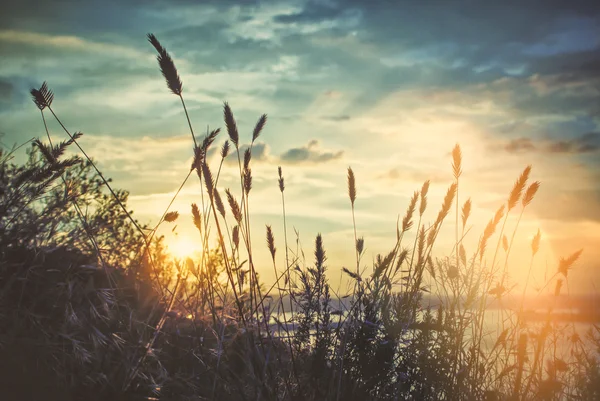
[(387, 87)]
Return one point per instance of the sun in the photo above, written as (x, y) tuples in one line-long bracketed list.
[(183, 247)]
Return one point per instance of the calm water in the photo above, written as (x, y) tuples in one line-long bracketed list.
[(567, 321)]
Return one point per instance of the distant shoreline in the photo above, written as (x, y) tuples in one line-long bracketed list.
[(563, 308)]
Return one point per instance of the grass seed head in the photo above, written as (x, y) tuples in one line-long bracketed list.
[(456, 161), (517, 190), (281, 182), (167, 66), (351, 186), (42, 97), (231, 125), (260, 124), (271, 242)]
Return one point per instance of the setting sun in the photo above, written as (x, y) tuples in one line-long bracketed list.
[(183, 247)]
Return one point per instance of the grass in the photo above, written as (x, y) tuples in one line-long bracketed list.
[(92, 307)]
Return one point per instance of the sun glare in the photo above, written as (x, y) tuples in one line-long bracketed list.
[(183, 247)]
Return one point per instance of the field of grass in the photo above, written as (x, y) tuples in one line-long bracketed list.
[(92, 307)]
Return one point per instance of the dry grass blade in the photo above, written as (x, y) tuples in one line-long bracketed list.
[(198, 159), (259, 126), (407, 220), (225, 150), (421, 242), (360, 245), (271, 242), (167, 66), (530, 193), (281, 182), (431, 235), (423, 203), (401, 258), (209, 139), (447, 204), (430, 267), (219, 203), (352, 274), (247, 158), (208, 180), (46, 151), (247, 181), (535, 243), (319, 251), (351, 186), (489, 230), (466, 212), (171, 216), (42, 97), (566, 263), (231, 125), (196, 216), (235, 236), (517, 190), (234, 206), (456, 161), (462, 254), (558, 287)]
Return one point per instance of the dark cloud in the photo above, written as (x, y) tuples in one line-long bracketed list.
[(520, 145), (311, 153), (453, 20), (260, 153), (6, 91), (476, 42), (586, 143)]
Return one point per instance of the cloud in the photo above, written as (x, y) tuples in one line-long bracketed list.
[(261, 153), (586, 143), (341, 117), (520, 145), (6, 91), (70, 42), (311, 153)]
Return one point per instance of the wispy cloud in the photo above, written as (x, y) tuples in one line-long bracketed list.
[(70, 42)]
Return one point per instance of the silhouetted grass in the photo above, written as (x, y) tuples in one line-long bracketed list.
[(91, 306)]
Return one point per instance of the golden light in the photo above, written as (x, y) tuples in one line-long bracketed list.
[(183, 247)]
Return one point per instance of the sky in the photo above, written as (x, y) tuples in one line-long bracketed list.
[(386, 87)]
